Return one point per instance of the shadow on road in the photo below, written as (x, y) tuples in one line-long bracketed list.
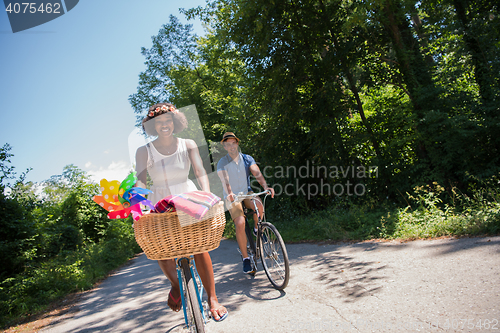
[(336, 271), (134, 296), (454, 245), (232, 284)]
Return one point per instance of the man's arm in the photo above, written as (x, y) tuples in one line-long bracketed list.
[(225, 182), (255, 170)]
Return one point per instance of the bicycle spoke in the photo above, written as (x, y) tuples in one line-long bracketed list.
[(272, 254), (278, 264)]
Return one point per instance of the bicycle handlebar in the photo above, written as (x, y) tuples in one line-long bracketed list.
[(241, 197)]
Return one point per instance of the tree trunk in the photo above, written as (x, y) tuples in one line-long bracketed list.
[(481, 72)]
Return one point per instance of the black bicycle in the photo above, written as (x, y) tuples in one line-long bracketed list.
[(268, 245)]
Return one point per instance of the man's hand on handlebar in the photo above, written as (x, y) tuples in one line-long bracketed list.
[(271, 190)]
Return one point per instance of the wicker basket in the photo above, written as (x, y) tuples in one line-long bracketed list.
[(161, 236)]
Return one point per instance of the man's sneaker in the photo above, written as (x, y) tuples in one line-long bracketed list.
[(247, 266)]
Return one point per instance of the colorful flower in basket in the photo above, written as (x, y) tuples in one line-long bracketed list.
[(122, 199)]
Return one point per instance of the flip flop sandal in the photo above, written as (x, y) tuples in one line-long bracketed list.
[(175, 300), (221, 318)]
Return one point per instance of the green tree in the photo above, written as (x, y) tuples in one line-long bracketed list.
[(70, 217), (17, 228), (465, 42), (199, 71), (343, 83)]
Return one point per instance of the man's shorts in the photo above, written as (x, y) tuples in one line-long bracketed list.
[(236, 209)]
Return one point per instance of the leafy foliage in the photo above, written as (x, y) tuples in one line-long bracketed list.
[(54, 239), (432, 218), (17, 232), (399, 84), (427, 215)]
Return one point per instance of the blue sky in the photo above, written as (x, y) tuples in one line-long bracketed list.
[(64, 85)]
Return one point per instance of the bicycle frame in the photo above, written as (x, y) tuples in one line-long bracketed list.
[(199, 287), (252, 223), (252, 197)]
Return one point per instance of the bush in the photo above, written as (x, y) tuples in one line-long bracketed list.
[(17, 235), (55, 243), (69, 271), (431, 212), (465, 216), (338, 223)]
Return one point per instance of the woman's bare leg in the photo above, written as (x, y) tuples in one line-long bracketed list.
[(169, 269), (206, 272)]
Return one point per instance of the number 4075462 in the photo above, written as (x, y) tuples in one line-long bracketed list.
[(32, 8)]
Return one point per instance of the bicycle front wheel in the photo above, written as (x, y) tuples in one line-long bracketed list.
[(193, 311), (274, 256)]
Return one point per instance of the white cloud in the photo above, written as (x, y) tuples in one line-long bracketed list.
[(115, 171)]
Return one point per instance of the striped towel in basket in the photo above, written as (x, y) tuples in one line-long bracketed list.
[(195, 203)]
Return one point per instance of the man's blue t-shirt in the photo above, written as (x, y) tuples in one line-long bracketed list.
[(226, 163)]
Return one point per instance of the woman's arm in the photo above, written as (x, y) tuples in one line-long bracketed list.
[(141, 160), (199, 170)]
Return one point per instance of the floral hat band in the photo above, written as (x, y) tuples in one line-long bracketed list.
[(162, 109)]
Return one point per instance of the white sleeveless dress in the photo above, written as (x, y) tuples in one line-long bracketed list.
[(169, 173)]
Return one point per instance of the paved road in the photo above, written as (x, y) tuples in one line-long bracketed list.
[(444, 285)]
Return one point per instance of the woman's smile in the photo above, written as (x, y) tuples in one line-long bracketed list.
[(164, 124)]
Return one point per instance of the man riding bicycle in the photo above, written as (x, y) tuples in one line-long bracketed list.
[(234, 171)]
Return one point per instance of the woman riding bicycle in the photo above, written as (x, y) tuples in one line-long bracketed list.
[(167, 160)]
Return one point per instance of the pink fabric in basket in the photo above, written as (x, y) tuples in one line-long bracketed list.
[(195, 204)]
